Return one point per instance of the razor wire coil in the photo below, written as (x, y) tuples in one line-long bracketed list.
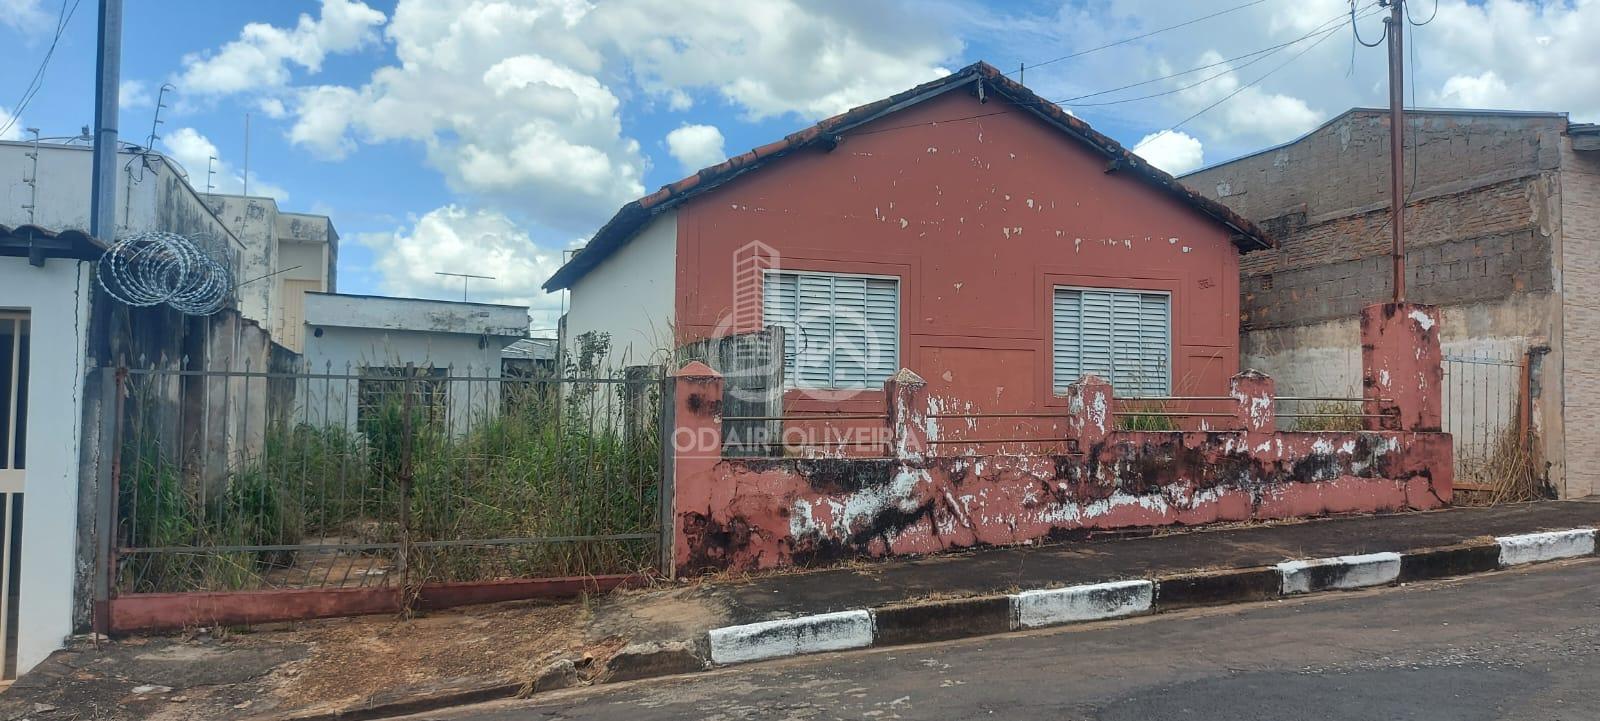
[(189, 274)]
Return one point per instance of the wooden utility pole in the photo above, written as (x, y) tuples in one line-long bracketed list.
[(1397, 112)]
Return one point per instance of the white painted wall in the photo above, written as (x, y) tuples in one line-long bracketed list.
[(156, 199), (358, 331), (631, 296), (57, 298)]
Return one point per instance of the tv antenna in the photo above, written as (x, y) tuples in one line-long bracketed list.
[(465, 277)]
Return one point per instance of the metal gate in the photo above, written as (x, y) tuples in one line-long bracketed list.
[(1484, 398), (395, 477), (15, 333)]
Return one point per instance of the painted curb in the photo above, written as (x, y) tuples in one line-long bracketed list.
[(1213, 588), (1075, 604), (791, 637), (1548, 546), (1340, 572), (1448, 561), (941, 620)]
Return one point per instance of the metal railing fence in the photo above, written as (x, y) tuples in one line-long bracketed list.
[(382, 476)]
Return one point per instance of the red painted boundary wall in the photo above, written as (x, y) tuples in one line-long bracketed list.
[(751, 513), (164, 611)]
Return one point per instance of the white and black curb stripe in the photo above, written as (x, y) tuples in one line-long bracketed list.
[(1549, 546), (956, 618), (1075, 604), (791, 637), (1339, 573)]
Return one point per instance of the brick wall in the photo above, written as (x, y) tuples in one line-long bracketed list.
[(1479, 220), (1580, 357)]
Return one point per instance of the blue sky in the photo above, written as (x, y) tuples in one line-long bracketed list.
[(487, 136)]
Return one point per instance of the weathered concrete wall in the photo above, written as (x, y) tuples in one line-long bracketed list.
[(1580, 360), (1484, 225), (254, 222), (748, 513), (149, 197), (980, 221)]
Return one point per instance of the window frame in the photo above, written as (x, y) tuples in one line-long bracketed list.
[(791, 382), (1050, 347)]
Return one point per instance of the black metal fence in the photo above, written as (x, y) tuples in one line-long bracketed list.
[(361, 477)]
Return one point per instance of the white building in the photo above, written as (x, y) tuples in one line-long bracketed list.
[(378, 342)]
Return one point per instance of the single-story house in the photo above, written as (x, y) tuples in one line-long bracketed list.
[(362, 349), (966, 229)]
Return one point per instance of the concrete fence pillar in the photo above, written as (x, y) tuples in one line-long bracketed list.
[(696, 449), (1401, 367), (906, 394), (1089, 411), (1256, 409)]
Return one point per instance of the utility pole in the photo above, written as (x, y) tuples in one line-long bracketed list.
[(1397, 118), (108, 75), (464, 278)]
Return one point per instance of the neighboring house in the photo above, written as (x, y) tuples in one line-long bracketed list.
[(1502, 232), (529, 358), (286, 256), (387, 344), (276, 256), (966, 229), (45, 289)]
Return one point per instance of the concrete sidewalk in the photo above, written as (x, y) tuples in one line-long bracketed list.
[(1103, 557), (379, 666)]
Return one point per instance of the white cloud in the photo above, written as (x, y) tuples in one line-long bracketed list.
[(1520, 55), (14, 131), (262, 54), (134, 94), (454, 239), (193, 151), (24, 15), (1176, 152), (779, 56), (520, 101), (696, 146)]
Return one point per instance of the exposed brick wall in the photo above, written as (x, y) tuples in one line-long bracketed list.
[(1345, 166), (1479, 222), (1580, 357)]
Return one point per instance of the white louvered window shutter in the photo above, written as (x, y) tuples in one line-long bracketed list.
[(840, 331), (1121, 336)]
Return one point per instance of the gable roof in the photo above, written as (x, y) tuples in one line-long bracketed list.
[(989, 81)]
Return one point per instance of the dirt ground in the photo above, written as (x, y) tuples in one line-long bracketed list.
[(276, 669)]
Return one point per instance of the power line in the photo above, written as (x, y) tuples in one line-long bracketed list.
[(1262, 54), (1241, 89), (1264, 51), (63, 18), (1142, 36)]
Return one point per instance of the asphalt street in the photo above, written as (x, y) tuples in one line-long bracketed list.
[(1521, 644)]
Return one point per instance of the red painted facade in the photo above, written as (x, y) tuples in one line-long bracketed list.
[(979, 218), (754, 513)]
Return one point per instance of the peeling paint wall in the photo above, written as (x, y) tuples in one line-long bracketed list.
[(979, 219), (751, 513)]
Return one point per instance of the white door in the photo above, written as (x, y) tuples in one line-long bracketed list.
[(14, 337)]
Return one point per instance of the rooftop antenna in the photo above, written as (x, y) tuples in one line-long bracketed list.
[(211, 172), (464, 278), (246, 155), (32, 178), (161, 99)]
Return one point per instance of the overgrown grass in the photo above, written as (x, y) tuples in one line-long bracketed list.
[(544, 465), (1332, 416), (1145, 416)]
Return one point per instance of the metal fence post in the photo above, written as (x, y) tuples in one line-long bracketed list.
[(667, 425), (106, 477)]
